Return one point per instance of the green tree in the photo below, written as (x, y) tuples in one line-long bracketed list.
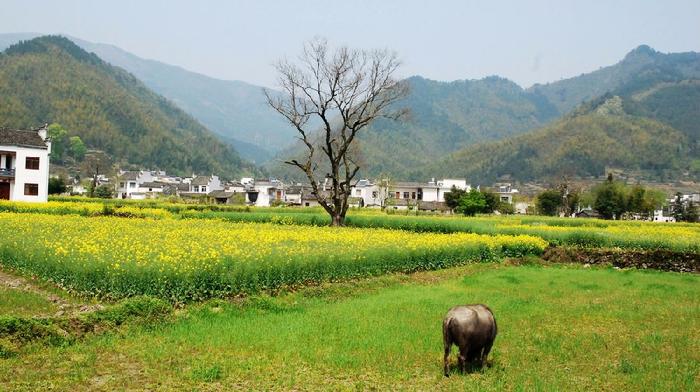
[(59, 141), (506, 208), (104, 191), (549, 202), (684, 212), (452, 197), (77, 148), (610, 200), (471, 203), (57, 185), (492, 201)]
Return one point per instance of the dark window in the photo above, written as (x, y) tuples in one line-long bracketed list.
[(413, 195), (398, 195), (405, 195), (31, 189), (32, 163)]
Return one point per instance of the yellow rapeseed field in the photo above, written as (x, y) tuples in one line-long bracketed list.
[(183, 259)]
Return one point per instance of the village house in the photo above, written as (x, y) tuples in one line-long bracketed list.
[(423, 195), (295, 194), (366, 193), (205, 184), (263, 193), (128, 183), (505, 192), (24, 165)]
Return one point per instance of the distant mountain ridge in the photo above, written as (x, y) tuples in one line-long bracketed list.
[(641, 65), (52, 79), (235, 110), (451, 120)]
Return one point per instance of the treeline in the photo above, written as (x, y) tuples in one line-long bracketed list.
[(612, 199), (476, 202)]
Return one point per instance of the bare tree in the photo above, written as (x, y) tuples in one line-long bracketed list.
[(345, 90)]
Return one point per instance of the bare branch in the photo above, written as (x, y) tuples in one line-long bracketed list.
[(345, 90)]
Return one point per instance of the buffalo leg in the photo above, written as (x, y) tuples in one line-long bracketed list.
[(463, 355), (446, 360), (485, 353)]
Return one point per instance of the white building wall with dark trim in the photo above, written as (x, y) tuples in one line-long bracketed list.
[(24, 176)]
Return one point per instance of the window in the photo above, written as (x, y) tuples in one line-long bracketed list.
[(32, 163), (405, 195), (31, 189), (204, 188), (132, 185), (121, 185), (413, 195), (358, 192), (196, 188), (398, 195)]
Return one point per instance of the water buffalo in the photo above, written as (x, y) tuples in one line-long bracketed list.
[(473, 329)]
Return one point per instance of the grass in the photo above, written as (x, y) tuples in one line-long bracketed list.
[(560, 328), (17, 302)]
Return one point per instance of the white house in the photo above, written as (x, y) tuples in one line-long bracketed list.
[(264, 193), (431, 191), (129, 181), (370, 194), (505, 192), (205, 184), (24, 165), (660, 216)]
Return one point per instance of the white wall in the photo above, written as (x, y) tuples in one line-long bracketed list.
[(26, 176)]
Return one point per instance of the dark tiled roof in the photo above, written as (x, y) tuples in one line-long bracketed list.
[(152, 185), (201, 180), (11, 137), (130, 175)]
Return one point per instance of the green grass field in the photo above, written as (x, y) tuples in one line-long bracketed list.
[(560, 328)]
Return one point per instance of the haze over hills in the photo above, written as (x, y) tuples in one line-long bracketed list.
[(234, 110), (50, 79), (643, 65), (652, 132), (456, 125)]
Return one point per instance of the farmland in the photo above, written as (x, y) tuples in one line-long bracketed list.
[(183, 260), (269, 299), (560, 328)]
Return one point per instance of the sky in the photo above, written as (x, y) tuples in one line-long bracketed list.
[(528, 42)]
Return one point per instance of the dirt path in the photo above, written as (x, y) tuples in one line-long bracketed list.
[(65, 307)]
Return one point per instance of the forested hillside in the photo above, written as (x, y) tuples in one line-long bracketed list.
[(580, 145), (642, 114), (640, 68), (50, 79), (444, 117)]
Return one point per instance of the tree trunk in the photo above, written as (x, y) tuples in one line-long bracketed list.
[(338, 219)]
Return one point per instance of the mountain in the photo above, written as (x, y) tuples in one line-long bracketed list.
[(457, 126), (234, 110), (51, 79), (609, 132), (642, 66), (444, 116)]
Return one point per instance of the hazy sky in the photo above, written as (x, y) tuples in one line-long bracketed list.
[(526, 41)]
